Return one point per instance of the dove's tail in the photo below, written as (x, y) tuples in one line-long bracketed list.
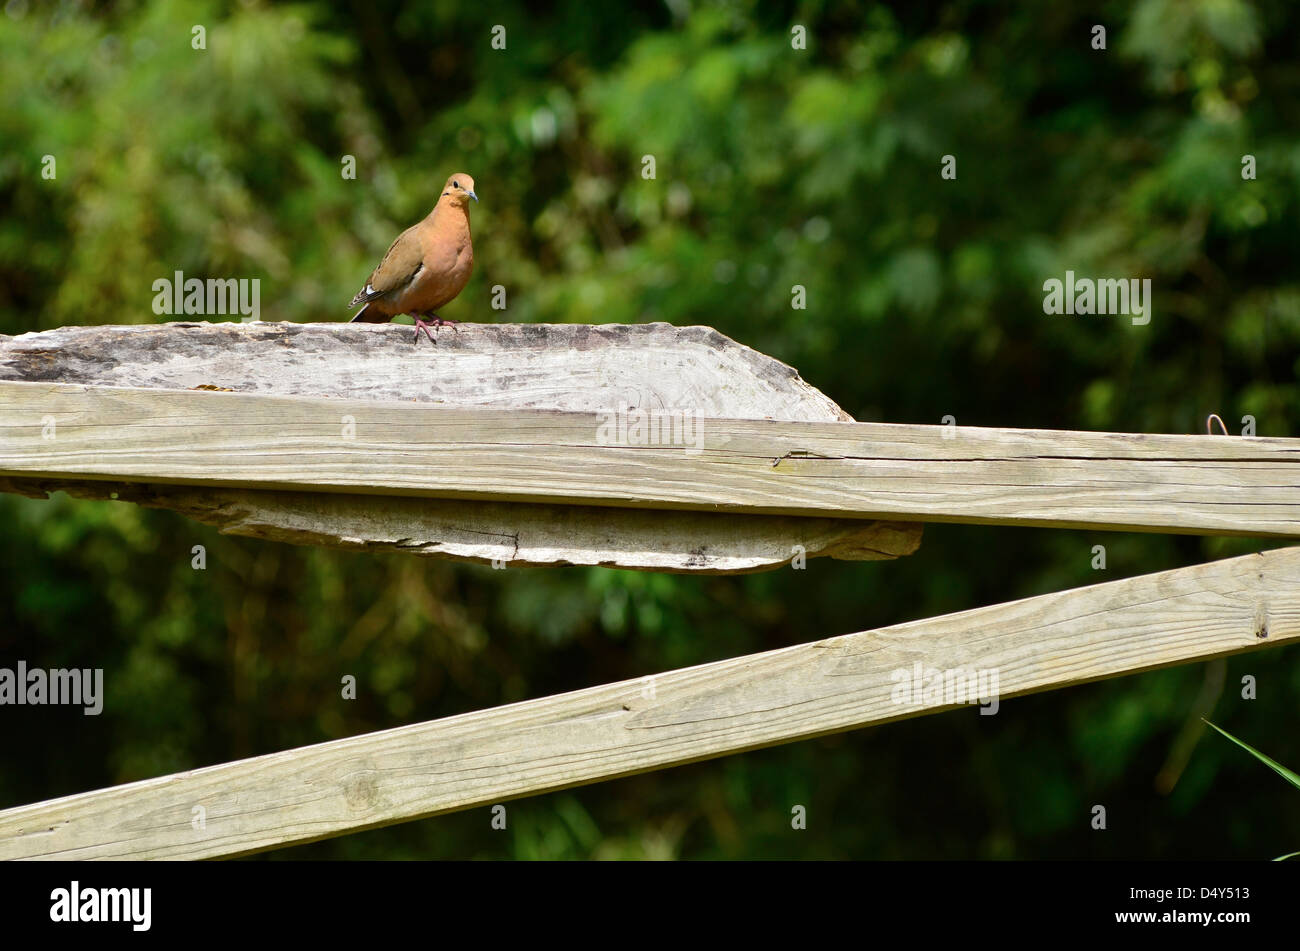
[(370, 315)]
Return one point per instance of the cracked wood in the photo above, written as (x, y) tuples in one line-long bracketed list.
[(1162, 483), (528, 366)]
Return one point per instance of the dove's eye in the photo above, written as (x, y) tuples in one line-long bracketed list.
[(455, 184)]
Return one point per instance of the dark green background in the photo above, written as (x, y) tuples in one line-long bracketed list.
[(775, 167)]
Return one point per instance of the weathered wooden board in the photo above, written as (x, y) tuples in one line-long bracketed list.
[(565, 367), (1190, 484), (510, 533), (745, 703), (577, 367)]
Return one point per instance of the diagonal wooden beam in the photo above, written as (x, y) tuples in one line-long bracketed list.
[(1041, 643), (1167, 483)]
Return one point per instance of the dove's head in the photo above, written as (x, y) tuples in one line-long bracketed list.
[(459, 189)]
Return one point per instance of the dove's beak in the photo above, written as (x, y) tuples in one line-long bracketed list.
[(472, 195)]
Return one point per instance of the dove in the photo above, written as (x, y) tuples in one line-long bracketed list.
[(427, 266)]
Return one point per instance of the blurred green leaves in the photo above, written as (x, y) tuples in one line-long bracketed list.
[(775, 167)]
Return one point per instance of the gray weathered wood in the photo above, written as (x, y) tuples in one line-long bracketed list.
[(577, 367), (563, 367), (510, 533), (744, 703), (1190, 484)]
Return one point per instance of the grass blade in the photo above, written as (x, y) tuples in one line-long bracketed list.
[(1277, 767)]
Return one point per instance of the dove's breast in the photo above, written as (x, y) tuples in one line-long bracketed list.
[(447, 265)]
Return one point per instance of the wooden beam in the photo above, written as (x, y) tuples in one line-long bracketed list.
[(1046, 642), (577, 367), (1167, 483), (524, 366), (511, 534)]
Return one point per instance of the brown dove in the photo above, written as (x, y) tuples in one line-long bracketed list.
[(427, 266)]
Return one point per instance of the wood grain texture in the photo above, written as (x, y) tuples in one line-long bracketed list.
[(563, 367), (511, 534), (745, 703), (1167, 483), (576, 367)]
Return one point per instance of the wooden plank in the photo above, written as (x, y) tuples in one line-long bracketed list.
[(576, 367), (509, 534), (564, 367), (1169, 483), (745, 703)]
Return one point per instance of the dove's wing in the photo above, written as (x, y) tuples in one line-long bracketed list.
[(398, 268)]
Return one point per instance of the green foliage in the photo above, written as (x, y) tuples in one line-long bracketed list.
[(775, 167)]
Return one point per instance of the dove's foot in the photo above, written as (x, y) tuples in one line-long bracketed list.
[(421, 325), (439, 322)]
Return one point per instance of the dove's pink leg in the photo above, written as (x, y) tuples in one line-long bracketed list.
[(421, 325)]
